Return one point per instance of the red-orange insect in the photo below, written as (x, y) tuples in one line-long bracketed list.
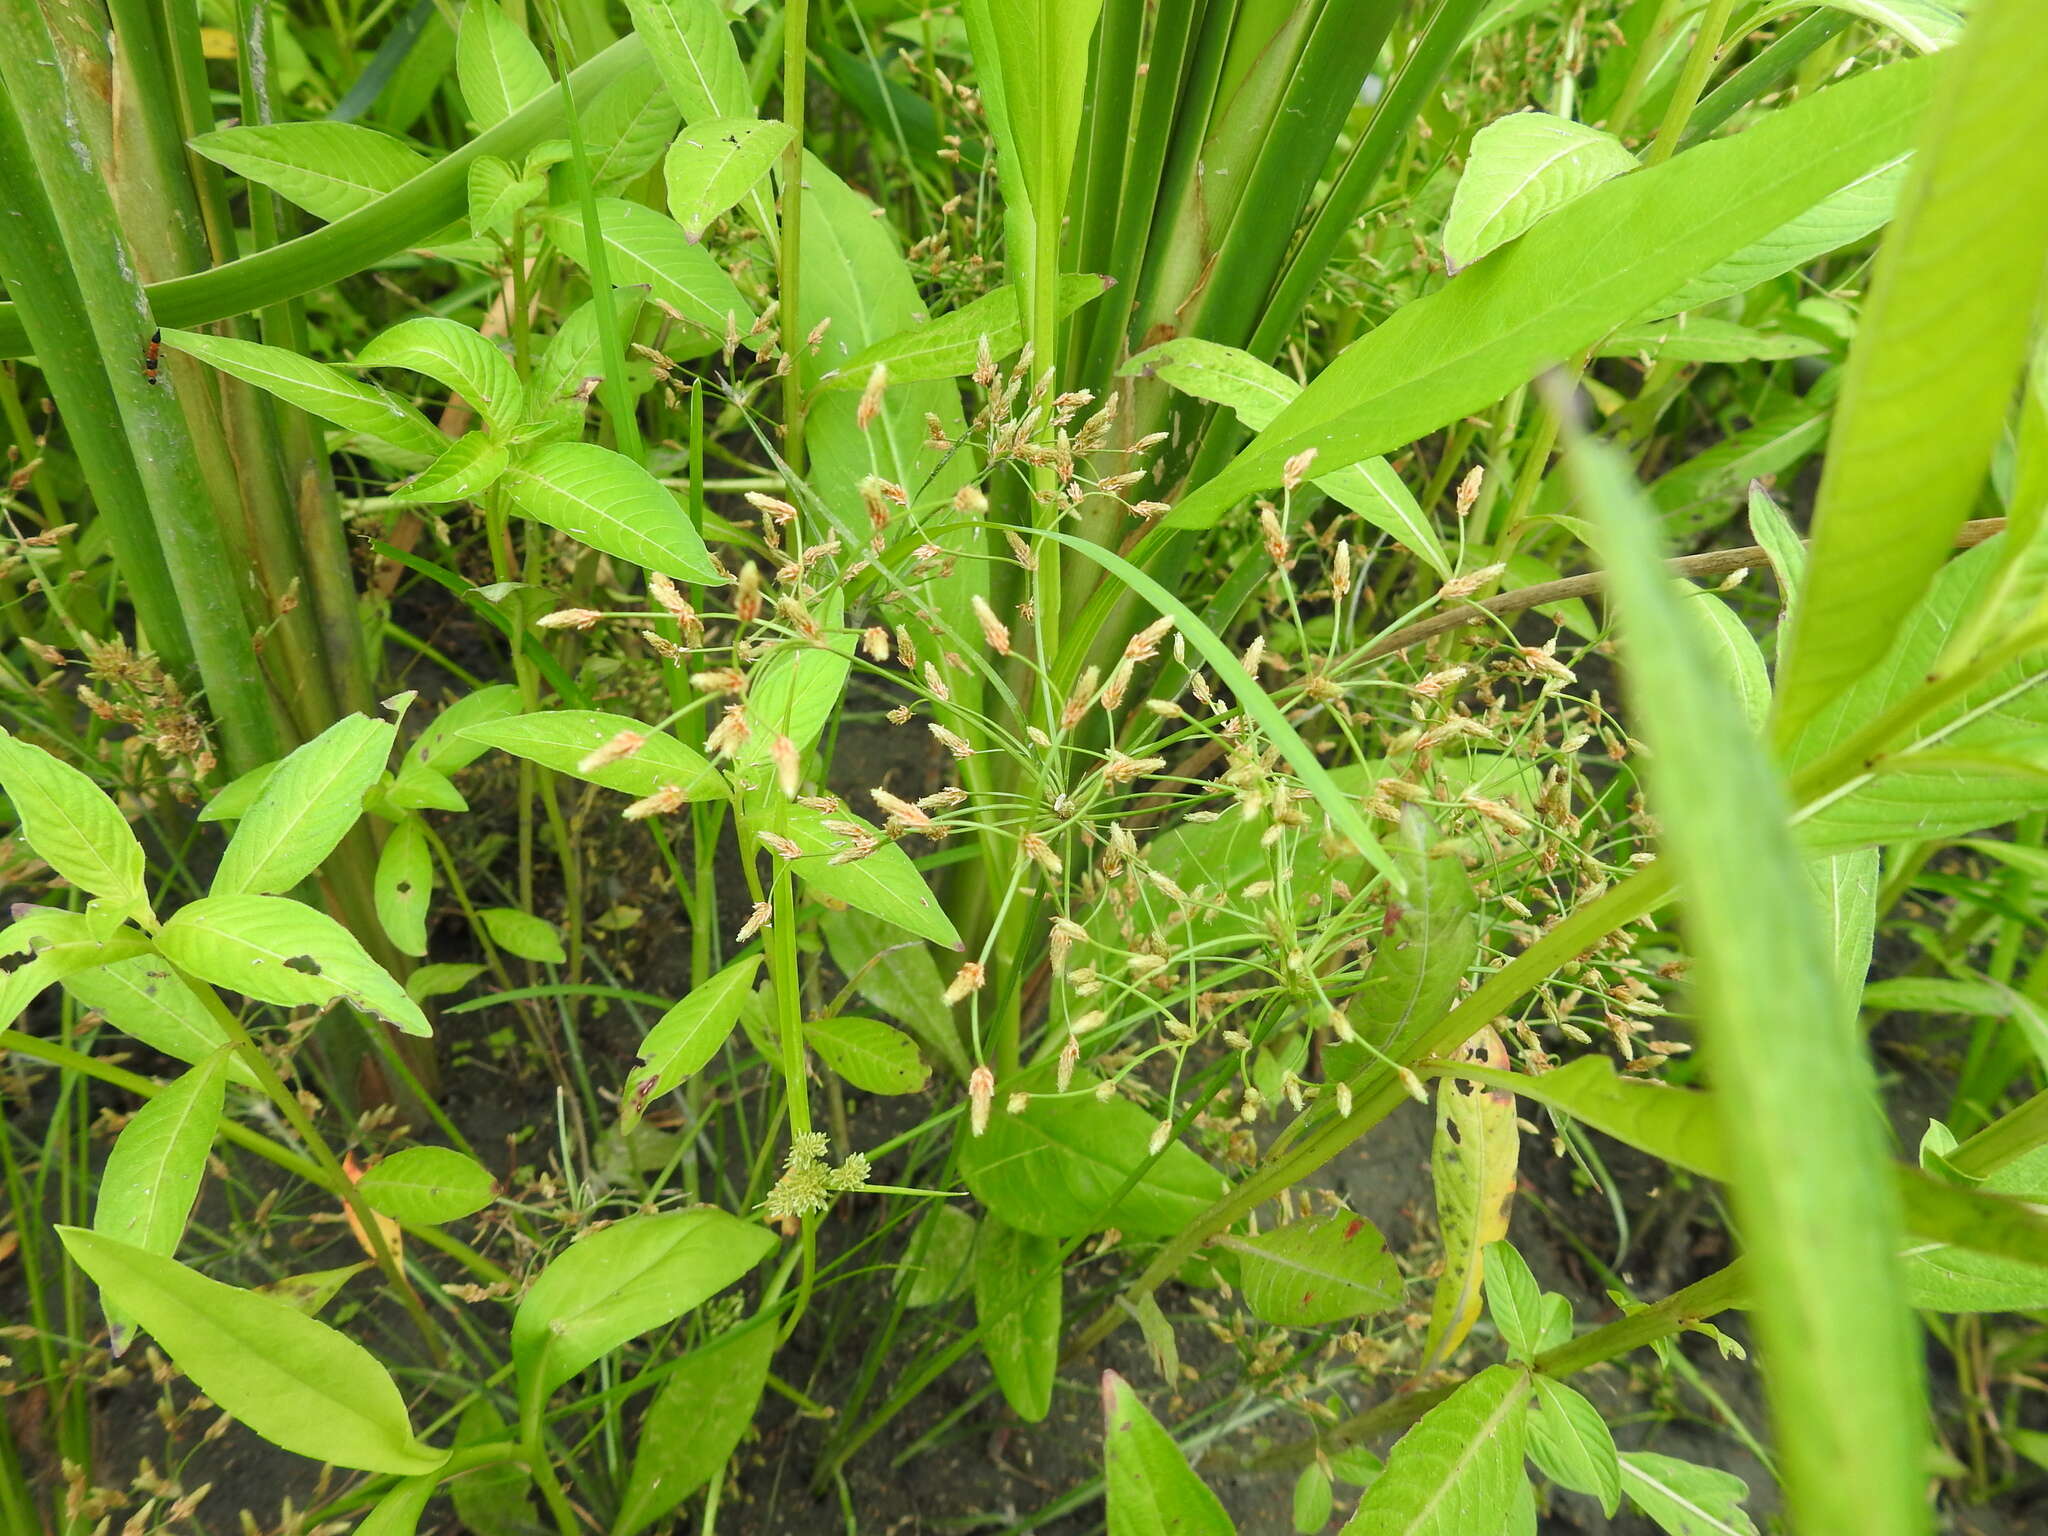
[(150, 355)]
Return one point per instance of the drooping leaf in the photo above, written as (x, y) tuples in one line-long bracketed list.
[(622, 1280), (404, 886), (714, 163), (1308, 1273), (695, 1423), (522, 934), (1458, 1470), (72, 826), (427, 1185), (145, 999), (496, 66), (1151, 1489), (1939, 346), (279, 951), (1840, 1346), (1472, 1165), (1685, 1499), (883, 883), (607, 501), (562, 739), (1523, 168), (687, 1037), (307, 807), (468, 363), (869, 1054), (332, 394), (329, 169), (1676, 1125), (1599, 263), (642, 246), (1572, 1444), (1017, 1302), (294, 1381), (1053, 1167)]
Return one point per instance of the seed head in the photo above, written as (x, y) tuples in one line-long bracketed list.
[(981, 1092), (969, 978), (568, 618)]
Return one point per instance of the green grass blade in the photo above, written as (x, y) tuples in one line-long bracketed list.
[(1817, 1206), (1941, 341)]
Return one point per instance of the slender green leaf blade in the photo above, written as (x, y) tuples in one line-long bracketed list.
[(564, 739), (882, 882), (1684, 1499), (455, 355), (496, 66), (642, 246), (1572, 1444), (144, 998), (691, 41)]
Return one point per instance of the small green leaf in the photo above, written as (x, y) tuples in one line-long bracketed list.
[(687, 1037), (1433, 941), (607, 501), (1572, 1445), (642, 246), (796, 689), (232, 802), (398, 1512), (883, 882), (695, 1423), (1521, 169), (72, 825), (496, 66), (332, 394), (1686, 1500), (278, 951), (562, 739), (950, 346), (498, 195), (306, 808), (294, 1381), (1308, 1273), (443, 745), (1152, 1491), (1458, 1470), (427, 1185), (1704, 339), (622, 1280), (1017, 1301), (454, 355), (439, 980), (1160, 1342), (463, 471), (896, 974), (1674, 1124), (310, 1292), (936, 1262), (1513, 1300), (869, 1054), (714, 163), (329, 169), (404, 886), (523, 934)]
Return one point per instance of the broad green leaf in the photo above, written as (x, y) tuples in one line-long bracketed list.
[(72, 825), (1572, 1445), (1704, 491), (413, 788), (154, 1171), (1925, 24), (1704, 339), (440, 980), (1472, 1166), (714, 163), (1598, 264), (1315, 1500), (562, 739), (1308, 1273), (46, 945), (1841, 1352), (145, 999), (1732, 654), (936, 1262), (1958, 282), (404, 886), (950, 346), (294, 1381), (1841, 219), (687, 1037), (452, 354), (897, 975), (1258, 392), (1151, 1489), (622, 1280), (1684, 1499), (642, 246), (628, 126), (279, 951), (1017, 1302), (427, 1185), (329, 169), (574, 355), (1844, 887), (332, 394), (1456, 1472), (1433, 941), (883, 883), (1160, 1342), (523, 934), (307, 807), (1941, 1277), (1522, 168), (1513, 1300), (497, 195), (691, 42), (695, 1423), (463, 471), (496, 66), (796, 689), (607, 501), (1053, 1167), (869, 1054)]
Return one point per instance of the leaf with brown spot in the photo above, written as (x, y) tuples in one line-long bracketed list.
[(1473, 1166)]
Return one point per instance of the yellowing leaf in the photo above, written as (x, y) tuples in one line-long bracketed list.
[(1473, 1164)]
